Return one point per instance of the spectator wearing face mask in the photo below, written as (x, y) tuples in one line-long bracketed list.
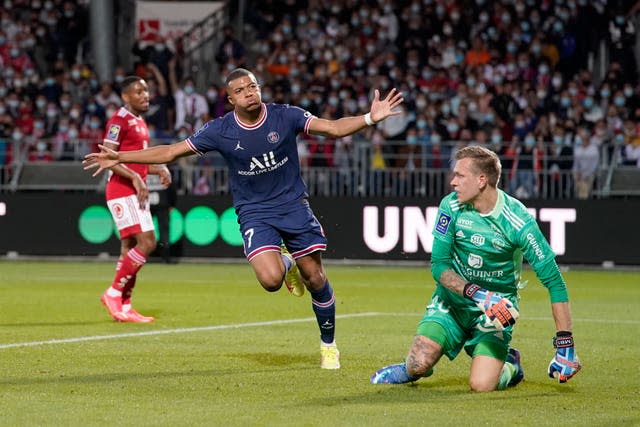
[(91, 133), (107, 96), (61, 139), (156, 53), (25, 118), (77, 84), (522, 183), (17, 135), (230, 50), (110, 110), (622, 39), (52, 113), (76, 114), (559, 163), (65, 104), (40, 105), (16, 58), (40, 153), (51, 89), (478, 55), (586, 159), (190, 106), (278, 63), (159, 100), (215, 101), (592, 110), (91, 107), (72, 27)]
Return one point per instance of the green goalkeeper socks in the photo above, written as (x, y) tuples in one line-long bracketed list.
[(508, 371)]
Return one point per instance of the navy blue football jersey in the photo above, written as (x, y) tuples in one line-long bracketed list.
[(264, 169)]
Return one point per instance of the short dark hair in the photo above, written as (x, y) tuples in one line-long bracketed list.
[(236, 74), (485, 162), (127, 82)]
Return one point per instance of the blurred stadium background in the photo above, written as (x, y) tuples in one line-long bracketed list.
[(552, 86)]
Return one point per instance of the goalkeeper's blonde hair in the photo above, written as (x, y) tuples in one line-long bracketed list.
[(485, 162)]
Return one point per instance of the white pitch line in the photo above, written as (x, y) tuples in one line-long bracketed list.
[(544, 319), (257, 324), (176, 331)]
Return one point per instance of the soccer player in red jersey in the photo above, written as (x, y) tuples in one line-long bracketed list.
[(128, 199)]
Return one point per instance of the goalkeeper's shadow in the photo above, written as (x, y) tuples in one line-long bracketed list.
[(443, 390)]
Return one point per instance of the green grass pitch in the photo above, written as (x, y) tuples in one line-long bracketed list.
[(223, 352)]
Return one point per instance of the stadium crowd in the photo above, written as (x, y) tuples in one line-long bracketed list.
[(511, 74)]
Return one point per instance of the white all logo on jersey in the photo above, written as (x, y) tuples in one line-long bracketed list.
[(475, 261), (477, 240), (263, 164), (268, 160)]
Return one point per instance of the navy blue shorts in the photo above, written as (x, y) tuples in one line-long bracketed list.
[(296, 227)]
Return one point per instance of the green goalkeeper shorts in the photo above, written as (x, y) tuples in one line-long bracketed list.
[(463, 327)]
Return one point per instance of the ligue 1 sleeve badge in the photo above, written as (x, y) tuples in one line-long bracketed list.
[(443, 223), (114, 131)]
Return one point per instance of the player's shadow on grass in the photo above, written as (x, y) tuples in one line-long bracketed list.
[(442, 390), (278, 359), (54, 377)]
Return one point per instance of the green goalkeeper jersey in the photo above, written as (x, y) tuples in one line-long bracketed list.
[(488, 249)]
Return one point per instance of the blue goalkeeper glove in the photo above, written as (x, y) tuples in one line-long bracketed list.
[(565, 363), (499, 310)]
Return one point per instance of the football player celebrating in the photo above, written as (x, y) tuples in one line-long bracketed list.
[(258, 142), (480, 238), (128, 199)]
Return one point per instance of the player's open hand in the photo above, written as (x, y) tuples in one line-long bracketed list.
[(105, 159), (165, 176), (142, 191), (383, 108)]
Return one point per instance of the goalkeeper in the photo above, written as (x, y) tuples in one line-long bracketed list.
[(480, 238)]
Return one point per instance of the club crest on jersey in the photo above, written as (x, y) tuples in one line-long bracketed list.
[(118, 210), (443, 223), (498, 243), (477, 240), (273, 137), (114, 132), (475, 261)]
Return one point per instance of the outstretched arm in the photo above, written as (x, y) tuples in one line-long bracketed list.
[(562, 316), (108, 158), (565, 364), (380, 110)]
